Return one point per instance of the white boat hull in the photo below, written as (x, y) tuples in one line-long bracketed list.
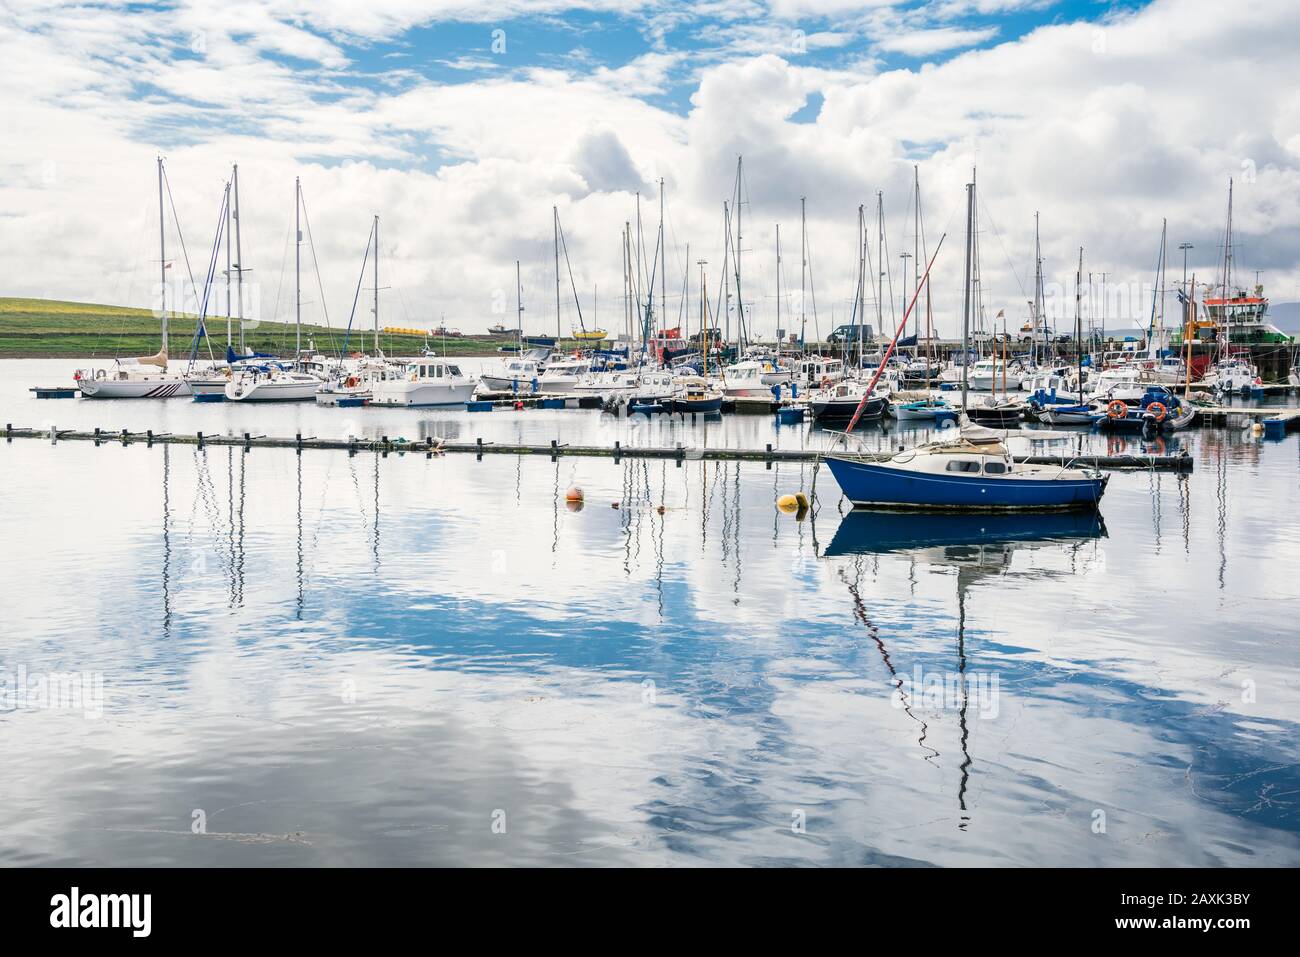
[(493, 383), (272, 390), (410, 394), (160, 387)]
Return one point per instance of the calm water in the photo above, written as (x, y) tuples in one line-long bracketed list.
[(326, 660)]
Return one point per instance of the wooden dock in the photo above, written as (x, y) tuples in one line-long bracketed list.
[(1277, 421), (430, 447)]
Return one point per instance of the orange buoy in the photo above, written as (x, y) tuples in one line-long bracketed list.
[(574, 494)]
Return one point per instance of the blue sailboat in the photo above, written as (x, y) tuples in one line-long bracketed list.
[(975, 472)]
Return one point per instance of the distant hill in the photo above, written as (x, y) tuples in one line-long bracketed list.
[(38, 328)]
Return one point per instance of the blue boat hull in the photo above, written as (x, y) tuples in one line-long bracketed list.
[(876, 485), (698, 405)]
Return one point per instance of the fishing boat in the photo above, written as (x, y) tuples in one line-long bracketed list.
[(1233, 375), (424, 382), (145, 377), (695, 396)]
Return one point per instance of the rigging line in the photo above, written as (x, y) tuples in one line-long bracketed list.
[(179, 235), (200, 327), (998, 236), (311, 243), (356, 296), (564, 245), (279, 289)]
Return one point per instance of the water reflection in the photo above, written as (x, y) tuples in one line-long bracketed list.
[(357, 659)]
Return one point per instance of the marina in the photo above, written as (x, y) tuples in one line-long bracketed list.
[(264, 584), (597, 437)]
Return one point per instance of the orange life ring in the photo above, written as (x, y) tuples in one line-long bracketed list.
[(826, 382), (351, 382), (1158, 410), (1117, 409)]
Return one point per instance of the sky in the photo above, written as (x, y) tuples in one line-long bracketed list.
[(462, 124)]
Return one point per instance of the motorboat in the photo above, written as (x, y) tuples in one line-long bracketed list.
[(424, 382), (563, 375), (516, 374), (695, 396), (989, 375), (840, 401)]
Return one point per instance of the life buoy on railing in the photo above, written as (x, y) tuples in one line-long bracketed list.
[(1117, 409), (99, 374), (1158, 410), (826, 382), (351, 382)]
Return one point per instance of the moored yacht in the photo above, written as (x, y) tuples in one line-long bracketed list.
[(423, 382)]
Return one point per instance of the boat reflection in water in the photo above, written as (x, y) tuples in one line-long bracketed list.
[(869, 532), (977, 546)]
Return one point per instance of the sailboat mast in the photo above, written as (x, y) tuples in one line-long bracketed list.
[(555, 222), (1038, 286), (740, 302), (1078, 324), (376, 284), (162, 258), (239, 261), (862, 279), (803, 269), (778, 289), (297, 268), (663, 261), (965, 317), (1227, 274), (228, 215), (519, 308), (916, 240), (880, 261)]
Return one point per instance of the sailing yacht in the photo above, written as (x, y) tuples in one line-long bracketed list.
[(281, 382), (973, 473), (145, 377)]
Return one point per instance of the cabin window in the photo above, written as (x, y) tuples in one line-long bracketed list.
[(995, 468), (453, 370), (961, 466)]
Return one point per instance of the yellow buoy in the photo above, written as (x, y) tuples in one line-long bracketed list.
[(788, 504)]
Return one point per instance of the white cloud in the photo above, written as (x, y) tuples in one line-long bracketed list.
[(926, 42), (1106, 128)]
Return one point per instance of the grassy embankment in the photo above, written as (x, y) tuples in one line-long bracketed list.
[(50, 328)]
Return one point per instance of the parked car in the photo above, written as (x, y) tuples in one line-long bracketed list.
[(852, 333)]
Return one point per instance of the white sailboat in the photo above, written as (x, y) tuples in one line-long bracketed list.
[(145, 377), (276, 382)]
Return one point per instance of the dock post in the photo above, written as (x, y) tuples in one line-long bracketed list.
[(297, 441), (148, 438), (54, 435), (200, 437), (125, 436), (478, 455), (9, 431)]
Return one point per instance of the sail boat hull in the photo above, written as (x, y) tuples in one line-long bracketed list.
[(148, 387), (884, 485)]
